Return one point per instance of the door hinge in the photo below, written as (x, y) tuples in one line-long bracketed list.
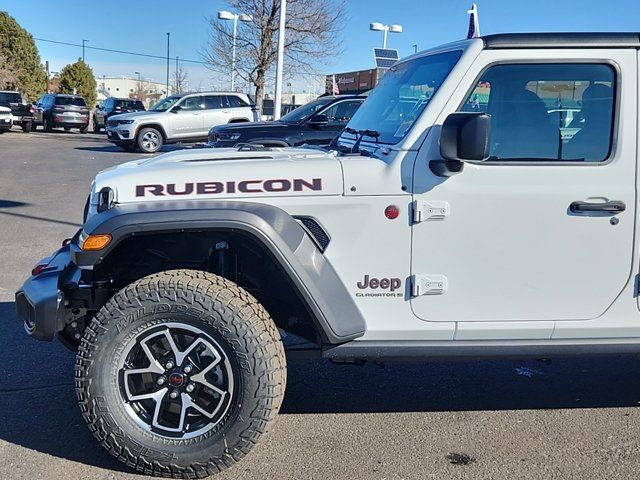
[(424, 284), (434, 210)]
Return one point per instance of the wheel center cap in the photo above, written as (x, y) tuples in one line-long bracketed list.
[(176, 379)]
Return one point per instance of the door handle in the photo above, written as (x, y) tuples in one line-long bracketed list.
[(614, 206)]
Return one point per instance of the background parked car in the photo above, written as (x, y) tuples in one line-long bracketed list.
[(316, 123), (114, 106), (178, 118), (66, 111), (6, 119), (21, 110)]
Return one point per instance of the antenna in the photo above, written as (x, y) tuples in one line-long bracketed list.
[(474, 22)]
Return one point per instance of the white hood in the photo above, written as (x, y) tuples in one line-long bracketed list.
[(224, 173)]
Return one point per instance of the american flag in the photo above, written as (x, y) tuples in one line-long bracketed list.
[(474, 22), (335, 90)]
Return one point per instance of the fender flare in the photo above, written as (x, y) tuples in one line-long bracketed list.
[(332, 306)]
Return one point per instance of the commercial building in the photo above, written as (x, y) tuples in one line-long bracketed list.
[(355, 82), (125, 87)]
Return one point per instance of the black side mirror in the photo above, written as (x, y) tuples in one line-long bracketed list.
[(176, 109), (318, 121), (97, 106), (465, 137)]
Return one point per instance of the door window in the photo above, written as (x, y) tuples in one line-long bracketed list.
[(550, 112), (340, 113), (236, 102), (191, 104), (212, 102)]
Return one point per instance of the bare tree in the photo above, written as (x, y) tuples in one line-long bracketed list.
[(142, 90), (179, 78), (313, 30)]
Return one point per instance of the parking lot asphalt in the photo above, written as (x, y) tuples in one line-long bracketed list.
[(567, 419)]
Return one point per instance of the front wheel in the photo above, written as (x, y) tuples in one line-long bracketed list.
[(27, 126), (96, 127), (149, 140), (180, 373)]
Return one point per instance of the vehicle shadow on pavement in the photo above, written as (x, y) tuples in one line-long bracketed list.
[(39, 411), (37, 398), (164, 149)]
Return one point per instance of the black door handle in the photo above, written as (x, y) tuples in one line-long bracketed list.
[(614, 206)]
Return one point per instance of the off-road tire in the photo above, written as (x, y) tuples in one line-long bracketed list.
[(240, 325), (96, 128), (46, 125), (85, 129), (143, 142), (27, 127)]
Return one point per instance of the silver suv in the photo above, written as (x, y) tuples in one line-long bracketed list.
[(178, 118)]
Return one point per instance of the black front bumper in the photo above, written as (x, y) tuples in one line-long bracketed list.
[(40, 303)]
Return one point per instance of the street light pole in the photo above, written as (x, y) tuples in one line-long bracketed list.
[(168, 38), (83, 42), (385, 29), (277, 104), (243, 17)]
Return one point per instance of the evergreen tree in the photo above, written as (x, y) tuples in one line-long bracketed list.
[(78, 78), (21, 57)]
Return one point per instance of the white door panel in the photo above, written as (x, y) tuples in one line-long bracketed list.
[(510, 249)]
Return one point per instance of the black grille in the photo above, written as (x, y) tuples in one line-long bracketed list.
[(317, 233), (213, 137)]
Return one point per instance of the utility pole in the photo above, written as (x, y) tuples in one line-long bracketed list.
[(47, 68), (277, 104), (168, 37), (83, 42)]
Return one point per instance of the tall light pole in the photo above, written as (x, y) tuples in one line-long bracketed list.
[(83, 42), (243, 17), (381, 27), (277, 103), (168, 38)]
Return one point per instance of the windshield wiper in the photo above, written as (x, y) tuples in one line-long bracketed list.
[(360, 134)]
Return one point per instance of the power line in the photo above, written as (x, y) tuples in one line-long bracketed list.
[(124, 52)]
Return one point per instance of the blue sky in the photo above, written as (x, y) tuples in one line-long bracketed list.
[(140, 25)]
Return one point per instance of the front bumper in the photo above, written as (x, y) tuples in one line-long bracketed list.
[(40, 303), (120, 135), (6, 122)]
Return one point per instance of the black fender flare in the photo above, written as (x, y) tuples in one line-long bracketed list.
[(335, 313)]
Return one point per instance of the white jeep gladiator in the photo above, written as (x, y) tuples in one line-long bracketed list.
[(471, 209)]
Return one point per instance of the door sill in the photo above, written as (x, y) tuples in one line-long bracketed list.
[(478, 349)]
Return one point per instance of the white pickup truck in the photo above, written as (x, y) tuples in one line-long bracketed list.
[(481, 203)]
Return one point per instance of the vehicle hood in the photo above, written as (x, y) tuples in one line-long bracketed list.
[(250, 126), (224, 173), (135, 115), (4, 109)]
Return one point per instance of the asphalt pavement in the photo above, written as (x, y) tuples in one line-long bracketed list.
[(567, 419)]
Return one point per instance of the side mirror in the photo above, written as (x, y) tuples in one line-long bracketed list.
[(318, 121), (465, 137), (97, 106), (176, 109)]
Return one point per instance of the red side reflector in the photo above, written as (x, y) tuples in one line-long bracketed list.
[(38, 269), (391, 212)]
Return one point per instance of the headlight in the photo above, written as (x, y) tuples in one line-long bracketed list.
[(124, 122), (228, 136)]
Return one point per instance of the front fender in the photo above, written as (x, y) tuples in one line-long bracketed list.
[(317, 283)]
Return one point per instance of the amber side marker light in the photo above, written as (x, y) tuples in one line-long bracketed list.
[(96, 242)]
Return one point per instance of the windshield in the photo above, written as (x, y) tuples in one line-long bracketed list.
[(306, 111), (165, 104), (402, 94), (9, 97)]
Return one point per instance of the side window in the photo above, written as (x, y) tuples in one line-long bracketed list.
[(191, 103), (548, 112), (340, 113), (212, 102), (236, 102)]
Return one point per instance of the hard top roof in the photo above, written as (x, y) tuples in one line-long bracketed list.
[(562, 40)]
